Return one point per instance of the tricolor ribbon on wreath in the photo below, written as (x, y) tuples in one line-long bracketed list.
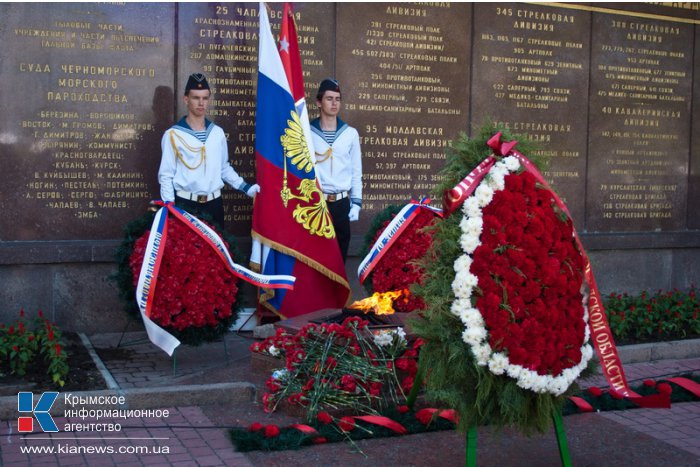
[(155, 248), (601, 335), (391, 233)]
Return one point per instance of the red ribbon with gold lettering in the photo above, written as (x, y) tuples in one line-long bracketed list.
[(452, 199)]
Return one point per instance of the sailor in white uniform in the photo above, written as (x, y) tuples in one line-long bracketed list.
[(194, 164), (338, 162)]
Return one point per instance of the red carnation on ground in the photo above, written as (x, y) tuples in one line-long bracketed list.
[(271, 431), (257, 426), (346, 424), (324, 417)]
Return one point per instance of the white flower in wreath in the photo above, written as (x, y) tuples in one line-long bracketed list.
[(514, 371), (471, 318), (274, 351), (469, 243), (459, 306), (498, 363), (526, 380), (484, 195), (474, 336), (481, 353), (463, 264), (471, 207), (512, 163), (472, 226), (541, 383), (462, 290), (497, 179), (464, 279)]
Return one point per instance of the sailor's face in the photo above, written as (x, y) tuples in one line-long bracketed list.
[(330, 103), (197, 102)]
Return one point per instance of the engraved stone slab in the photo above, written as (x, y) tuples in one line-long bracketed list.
[(404, 73), (531, 73), (694, 178), (639, 130), (221, 41), (86, 89)]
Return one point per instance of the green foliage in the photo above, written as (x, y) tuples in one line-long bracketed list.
[(661, 316), (22, 342), (454, 379)]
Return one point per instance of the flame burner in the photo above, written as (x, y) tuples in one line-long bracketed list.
[(375, 320)]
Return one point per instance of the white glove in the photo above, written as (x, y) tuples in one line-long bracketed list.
[(354, 212), (253, 190)]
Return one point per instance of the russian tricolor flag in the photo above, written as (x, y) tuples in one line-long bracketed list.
[(292, 230)]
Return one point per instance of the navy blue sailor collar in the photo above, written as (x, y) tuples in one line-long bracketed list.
[(339, 127), (184, 127)]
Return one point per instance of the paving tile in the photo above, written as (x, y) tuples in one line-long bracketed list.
[(71, 460), (218, 442), (200, 451)]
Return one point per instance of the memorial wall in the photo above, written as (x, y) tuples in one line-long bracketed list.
[(609, 91)]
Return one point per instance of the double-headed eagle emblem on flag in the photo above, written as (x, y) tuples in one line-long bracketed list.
[(313, 216)]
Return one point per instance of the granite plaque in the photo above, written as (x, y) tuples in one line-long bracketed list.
[(531, 70), (404, 71), (694, 176), (639, 127), (221, 41), (87, 88)]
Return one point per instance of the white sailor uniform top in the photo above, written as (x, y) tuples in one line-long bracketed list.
[(338, 164), (191, 166)]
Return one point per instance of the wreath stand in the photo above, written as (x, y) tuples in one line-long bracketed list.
[(471, 433)]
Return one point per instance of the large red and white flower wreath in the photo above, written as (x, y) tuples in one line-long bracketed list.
[(519, 286), (195, 290)]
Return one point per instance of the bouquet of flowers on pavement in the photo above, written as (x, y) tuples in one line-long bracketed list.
[(339, 368)]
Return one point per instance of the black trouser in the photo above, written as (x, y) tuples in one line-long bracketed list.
[(213, 210), (339, 213)]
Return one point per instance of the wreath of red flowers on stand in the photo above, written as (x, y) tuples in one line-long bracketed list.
[(196, 297), (397, 269), (519, 286)]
